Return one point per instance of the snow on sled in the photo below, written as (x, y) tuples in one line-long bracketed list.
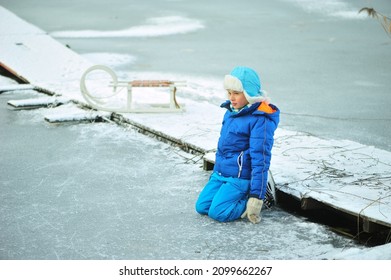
[(102, 90)]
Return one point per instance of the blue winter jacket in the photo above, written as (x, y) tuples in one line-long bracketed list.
[(245, 144)]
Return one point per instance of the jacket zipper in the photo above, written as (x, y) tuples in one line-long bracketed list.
[(240, 163)]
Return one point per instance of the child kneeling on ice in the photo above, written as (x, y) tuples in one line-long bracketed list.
[(237, 186)]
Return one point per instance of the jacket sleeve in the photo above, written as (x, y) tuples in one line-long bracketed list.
[(261, 143)]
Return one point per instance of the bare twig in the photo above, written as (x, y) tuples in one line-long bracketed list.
[(384, 20)]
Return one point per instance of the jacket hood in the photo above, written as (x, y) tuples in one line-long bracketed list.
[(270, 111)]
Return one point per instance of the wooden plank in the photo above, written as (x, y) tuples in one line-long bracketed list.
[(76, 117), (209, 161), (370, 226), (308, 203), (34, 103), (151, 83), (207, 165), (9, 72), (16, 87)]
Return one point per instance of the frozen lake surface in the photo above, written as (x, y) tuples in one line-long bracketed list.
[(327, 67), (100, 191)]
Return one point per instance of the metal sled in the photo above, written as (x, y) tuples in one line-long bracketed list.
[(101, 88)]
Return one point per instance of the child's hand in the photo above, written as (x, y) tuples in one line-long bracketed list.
[(253, 210)]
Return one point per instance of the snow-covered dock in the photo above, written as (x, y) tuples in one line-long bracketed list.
[(33, 103), (346, 176)]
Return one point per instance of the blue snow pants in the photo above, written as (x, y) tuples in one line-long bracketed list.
[(223, 199)]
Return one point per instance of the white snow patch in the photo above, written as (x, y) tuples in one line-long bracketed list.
[(157, 26)]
